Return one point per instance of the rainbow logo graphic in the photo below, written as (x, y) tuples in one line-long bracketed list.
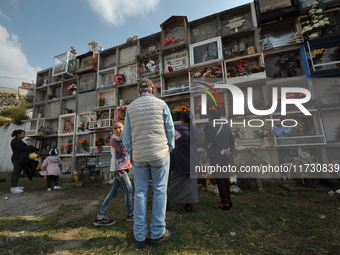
[(218, 97)]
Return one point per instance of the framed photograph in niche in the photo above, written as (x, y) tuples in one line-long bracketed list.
[(87, 82), (209, 50)]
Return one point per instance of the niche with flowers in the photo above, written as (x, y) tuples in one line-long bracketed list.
[(100, 142), (107, 97), (323, 55), (174, 32), (208, 74), (244, 69), (83, 144), (148, 64)]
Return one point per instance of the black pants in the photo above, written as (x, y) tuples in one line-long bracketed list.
[(222, 180), (52, 179), (17, 167)]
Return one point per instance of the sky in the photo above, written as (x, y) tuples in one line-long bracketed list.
[(32, 32)]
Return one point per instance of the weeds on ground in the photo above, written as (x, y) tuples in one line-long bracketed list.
[(273, 221)]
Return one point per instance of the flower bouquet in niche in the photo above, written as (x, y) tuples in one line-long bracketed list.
[(101, 101), (318, 22), (66, 170), (261, 133), (99, 142), (69, 147), (84, 144), (236, 132), (177, 112), (317, 55)]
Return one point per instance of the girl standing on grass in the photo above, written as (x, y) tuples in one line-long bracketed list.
[(51, 168), (120, 165)]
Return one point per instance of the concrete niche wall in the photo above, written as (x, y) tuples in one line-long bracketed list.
[(203, 29), (87, 101)]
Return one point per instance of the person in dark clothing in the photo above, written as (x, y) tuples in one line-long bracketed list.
[(182, 188), (220, 142), (20, 151)]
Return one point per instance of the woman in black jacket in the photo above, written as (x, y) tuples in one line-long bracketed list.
[(20, 153)]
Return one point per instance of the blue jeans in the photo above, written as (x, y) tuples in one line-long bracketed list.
[(126, 183), (158, 170)]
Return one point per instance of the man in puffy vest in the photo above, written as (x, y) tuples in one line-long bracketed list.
[(149, 136)]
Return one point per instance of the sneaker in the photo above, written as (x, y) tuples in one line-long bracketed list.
[(168, 235), (16, 190), (103, 222), (129, 217), (20, 187), (49, 189), (142, 244), (57, 187)]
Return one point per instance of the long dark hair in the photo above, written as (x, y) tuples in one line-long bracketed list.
[(17, 132)]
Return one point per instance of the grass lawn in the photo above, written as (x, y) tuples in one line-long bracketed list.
[(272, 221)]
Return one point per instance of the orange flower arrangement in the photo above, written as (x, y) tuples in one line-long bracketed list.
[(101, 101), (69, 146), (62, 147), (83, 141), (99, 141), (121, 113)]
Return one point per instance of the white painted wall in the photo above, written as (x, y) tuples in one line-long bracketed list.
[(5, 148)]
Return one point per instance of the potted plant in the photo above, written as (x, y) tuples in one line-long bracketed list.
[(177, 112), (101, 101), (69, 147), (84, 143), (99, 142), (317, 55)]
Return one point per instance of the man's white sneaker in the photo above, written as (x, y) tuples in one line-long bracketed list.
[(57, 187), (49, 189), (20, 187), (16, 190)]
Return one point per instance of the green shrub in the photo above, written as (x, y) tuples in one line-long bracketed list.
[(4, 121), (17, 114), (17, 118)]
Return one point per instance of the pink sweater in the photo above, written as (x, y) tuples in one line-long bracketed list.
[(51, 166)]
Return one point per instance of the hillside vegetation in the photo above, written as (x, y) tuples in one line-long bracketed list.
[(13, 108)]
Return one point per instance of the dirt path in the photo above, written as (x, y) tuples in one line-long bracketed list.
[(42, 203)]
